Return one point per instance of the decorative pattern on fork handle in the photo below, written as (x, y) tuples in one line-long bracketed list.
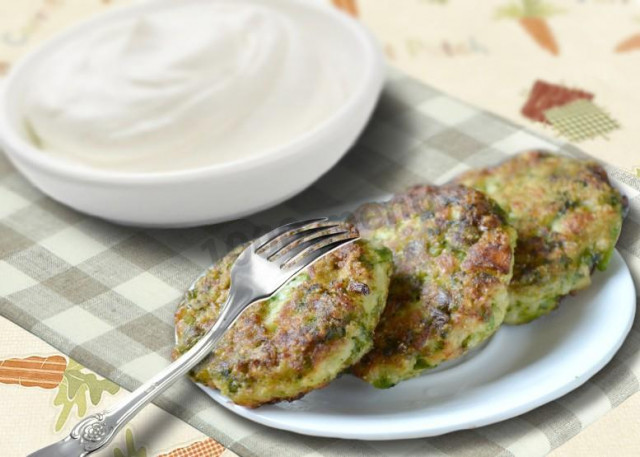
[(93, 432)]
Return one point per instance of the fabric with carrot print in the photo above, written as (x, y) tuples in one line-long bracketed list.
[(77, 386), (131, 450), (44, 372), (545, 95), (348, 6), (631, 43), (207, 447), (570, 111), (533, 15)]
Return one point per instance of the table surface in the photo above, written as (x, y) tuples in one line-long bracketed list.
[(582, 45)]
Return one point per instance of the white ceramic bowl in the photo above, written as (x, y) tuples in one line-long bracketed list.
[(207, 194)]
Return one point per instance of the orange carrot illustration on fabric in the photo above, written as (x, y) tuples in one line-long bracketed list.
[(532, 15), (348, 6), (44, 372), (631, 43)]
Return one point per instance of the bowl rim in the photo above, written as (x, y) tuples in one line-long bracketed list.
[(22, 150)]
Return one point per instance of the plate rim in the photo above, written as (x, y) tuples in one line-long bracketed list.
[(547, 395)]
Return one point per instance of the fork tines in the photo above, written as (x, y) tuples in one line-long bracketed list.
[(260, 244), (301, 243), (313, 253)]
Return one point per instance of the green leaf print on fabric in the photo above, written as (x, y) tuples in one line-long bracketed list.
[(131, 448), (72, 392)]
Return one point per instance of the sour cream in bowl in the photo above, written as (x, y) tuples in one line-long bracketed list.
[(142, 114)]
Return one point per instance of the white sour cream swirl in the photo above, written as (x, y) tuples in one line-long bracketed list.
[(194, 84)]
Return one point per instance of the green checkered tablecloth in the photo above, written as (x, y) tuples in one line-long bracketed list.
[(105, 294)]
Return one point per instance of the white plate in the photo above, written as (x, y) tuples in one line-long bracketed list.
[(520, 368)]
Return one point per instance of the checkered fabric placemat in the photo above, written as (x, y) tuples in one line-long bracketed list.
[(105, 294)]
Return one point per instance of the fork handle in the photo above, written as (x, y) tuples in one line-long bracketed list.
[(97, 430)]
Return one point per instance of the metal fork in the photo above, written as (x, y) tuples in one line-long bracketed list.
[(259, 272)]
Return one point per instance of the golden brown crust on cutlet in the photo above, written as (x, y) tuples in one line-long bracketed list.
[(568, 218), (297, 341), (453, 254)]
